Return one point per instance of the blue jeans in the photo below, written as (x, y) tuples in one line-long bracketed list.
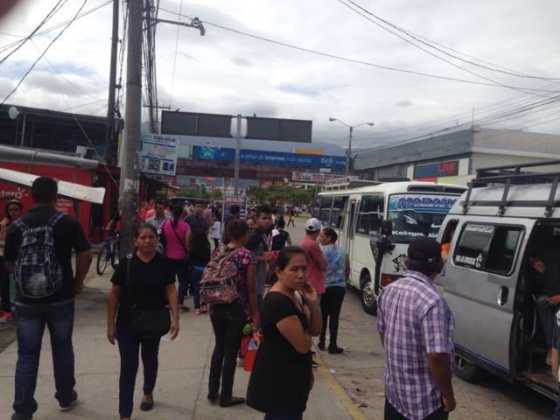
[(294, 416), (128, 348), (31, 321), (196, 276)]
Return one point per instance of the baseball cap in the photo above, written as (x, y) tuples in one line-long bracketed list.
[(313, 225), (424, 250)]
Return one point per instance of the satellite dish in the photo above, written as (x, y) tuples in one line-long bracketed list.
[(13, 112)]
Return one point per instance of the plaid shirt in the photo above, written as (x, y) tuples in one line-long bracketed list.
[(415, 320)]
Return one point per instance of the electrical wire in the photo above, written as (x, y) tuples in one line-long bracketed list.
[(57, 26), (442, 48), (175, 57), (49, 15), (22, 79), (352, 60)]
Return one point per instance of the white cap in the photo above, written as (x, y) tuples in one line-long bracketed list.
[(313, 225)]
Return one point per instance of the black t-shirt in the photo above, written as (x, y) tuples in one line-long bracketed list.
[(146, 285), (279, 241), (198, 224), (281, 378), (548, 283), (68, 236)]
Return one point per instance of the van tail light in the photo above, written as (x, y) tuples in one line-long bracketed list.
[(387, 279)]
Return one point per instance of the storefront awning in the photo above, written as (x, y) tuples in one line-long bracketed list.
[(67, 189)]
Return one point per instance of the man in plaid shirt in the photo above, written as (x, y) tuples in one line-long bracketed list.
[(416, 328)]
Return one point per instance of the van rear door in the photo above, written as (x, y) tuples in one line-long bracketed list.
[(480, 284)]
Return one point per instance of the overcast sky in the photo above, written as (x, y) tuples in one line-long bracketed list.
[(227, 73)]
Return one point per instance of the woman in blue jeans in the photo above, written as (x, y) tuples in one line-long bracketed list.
[(149, 285)]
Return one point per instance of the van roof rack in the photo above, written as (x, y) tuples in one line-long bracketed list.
[(515, 175)]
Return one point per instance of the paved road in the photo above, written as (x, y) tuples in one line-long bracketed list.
[(360, 371)]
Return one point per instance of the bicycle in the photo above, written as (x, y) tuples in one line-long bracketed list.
[(108, 254)]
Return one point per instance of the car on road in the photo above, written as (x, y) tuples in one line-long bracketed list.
[(508, 215)]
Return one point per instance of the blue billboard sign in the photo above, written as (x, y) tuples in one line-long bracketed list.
[(256, 157)]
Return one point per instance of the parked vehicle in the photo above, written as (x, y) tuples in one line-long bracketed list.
[(375, 224), (506, 217)]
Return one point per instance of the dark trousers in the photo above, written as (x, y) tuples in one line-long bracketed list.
[(391, 413), (294, 416), (31, 321), (227, 322), (547, 315), (216, 243), (331, 303), (128, 349), (6, 304), (196, 276), (181, 270)]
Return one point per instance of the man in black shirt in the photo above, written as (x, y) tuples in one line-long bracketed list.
[(197, 221), (52, 306)]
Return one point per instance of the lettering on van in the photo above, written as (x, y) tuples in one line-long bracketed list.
[(420, 202), (398, 263)]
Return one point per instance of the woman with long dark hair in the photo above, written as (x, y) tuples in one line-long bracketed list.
[(228, 319), (282, 376), (177, 233), (142, 284)]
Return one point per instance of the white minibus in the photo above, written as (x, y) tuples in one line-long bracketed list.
[(375, 224)]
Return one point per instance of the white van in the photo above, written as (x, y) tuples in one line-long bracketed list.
[(506, 216), (375, 224)]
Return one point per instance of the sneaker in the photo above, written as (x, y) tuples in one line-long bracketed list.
[(67, 406), (321, 345), (147, 403)]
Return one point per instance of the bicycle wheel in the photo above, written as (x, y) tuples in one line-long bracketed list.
[(102, 259)]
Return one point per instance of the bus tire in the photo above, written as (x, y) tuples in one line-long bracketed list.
[(466, 370), (367, 294)]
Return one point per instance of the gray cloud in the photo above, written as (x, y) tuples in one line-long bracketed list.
[(299, 90), (404, 103), (242, 62)]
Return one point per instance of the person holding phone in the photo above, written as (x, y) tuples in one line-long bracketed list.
[(282, 377)]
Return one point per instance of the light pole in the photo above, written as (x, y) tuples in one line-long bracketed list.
[(350, 132)]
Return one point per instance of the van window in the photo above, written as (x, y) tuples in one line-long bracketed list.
[(371, 214), (337, 214), (488, 248), (325, 204)]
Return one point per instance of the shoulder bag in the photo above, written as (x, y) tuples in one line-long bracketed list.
[(146, 323)]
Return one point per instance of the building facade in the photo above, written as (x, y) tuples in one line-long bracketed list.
[(455, 157)]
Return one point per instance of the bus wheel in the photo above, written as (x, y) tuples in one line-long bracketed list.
[(368, 298), (466, 370)]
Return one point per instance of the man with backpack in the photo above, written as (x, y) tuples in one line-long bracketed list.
[(39, 252)]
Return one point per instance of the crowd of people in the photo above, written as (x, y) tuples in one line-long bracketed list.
[(252, 281)]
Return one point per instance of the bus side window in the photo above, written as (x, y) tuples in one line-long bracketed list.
[(325, 204), (337, 215), (371, 214)]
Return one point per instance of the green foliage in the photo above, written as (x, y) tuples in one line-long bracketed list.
[(278, 195)]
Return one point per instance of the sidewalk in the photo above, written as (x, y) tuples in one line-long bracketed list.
[(182, 380)]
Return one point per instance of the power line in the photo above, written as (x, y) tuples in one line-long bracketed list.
[(175, 56), (49, 15), (420, 47), (43, 54), (57, 26), (351, 60), (441, 48)]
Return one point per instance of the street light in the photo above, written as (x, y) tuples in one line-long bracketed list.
[(350, 131)]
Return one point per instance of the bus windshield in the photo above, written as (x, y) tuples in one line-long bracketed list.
[(417, 215)]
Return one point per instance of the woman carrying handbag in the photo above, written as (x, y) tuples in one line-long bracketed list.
[(137, 315)]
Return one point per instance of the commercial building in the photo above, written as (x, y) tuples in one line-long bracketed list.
[(455, 157)]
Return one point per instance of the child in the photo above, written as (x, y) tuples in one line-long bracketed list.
[(280, 237)]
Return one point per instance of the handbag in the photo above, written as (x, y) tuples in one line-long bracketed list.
[(146, 323)]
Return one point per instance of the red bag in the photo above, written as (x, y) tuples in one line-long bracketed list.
[(251, 354)]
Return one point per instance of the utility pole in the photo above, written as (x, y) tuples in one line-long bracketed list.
[(237, 154), (349, 151), (110, 141), (130, 174)]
